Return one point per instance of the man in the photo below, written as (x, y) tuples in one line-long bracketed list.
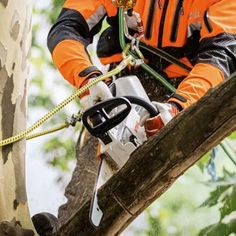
[(201, 33)]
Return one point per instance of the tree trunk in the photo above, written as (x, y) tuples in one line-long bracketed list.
[(165, 157), (15, 42)]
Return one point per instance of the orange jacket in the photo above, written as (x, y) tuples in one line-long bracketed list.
[(201, 33)]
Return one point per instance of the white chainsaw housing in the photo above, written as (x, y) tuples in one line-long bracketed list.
[(122, 146), (125, 138)]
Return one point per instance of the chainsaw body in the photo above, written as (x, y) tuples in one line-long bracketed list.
[(116, 124), (127, 135)]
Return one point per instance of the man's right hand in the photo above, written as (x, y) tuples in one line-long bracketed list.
[(96, 93)]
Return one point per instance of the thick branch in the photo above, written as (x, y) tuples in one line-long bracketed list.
[(159, 162)]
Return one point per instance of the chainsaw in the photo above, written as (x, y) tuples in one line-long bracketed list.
[(116, 124)]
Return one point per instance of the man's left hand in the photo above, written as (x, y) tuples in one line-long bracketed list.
[(167, 112), (96, 93)]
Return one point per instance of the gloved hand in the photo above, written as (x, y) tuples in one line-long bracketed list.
[(167, 111), (96, 93)]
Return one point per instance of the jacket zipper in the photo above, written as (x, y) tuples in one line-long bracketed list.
[(175, 25), (148, 33), (207, 22), (161, 28)]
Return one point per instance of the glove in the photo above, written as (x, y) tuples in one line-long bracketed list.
[(167, 112), (96, 93)]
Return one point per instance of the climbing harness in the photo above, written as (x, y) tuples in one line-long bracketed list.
[(140, 28), (147, 68)]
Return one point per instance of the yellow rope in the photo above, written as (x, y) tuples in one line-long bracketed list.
[(75, 95), (49, 131)]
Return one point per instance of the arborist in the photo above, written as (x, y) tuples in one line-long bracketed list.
[(200, 33)]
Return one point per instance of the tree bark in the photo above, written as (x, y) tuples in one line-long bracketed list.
[(154, 166), (15, 43)]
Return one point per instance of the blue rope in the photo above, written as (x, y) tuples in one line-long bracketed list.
[(211, 166)]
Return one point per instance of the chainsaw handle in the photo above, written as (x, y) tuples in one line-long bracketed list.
[(143, 103), (97, 120)]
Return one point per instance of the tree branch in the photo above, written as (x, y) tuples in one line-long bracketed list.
[(154, 166)]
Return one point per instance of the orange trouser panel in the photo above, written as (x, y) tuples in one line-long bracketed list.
[(197, 83), (71, 58)]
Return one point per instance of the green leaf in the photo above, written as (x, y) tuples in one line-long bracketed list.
[(59, 150), (221, 186), (233, 135), (228, 173), (229, 204), (203, 161), (155, 227), (219, 229), (214, 196)]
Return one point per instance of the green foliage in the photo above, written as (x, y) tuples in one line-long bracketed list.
[(215, 196), (203, 161), (58, 155), (229, 203), (222, 185), (219, 229), (224, 195), (51, 13), (156, 227), (233, 135), (178, 213)]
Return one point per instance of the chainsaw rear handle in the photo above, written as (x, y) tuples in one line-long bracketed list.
[(97, 120)]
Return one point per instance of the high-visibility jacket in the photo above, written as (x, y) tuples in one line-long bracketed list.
[(202, 33)]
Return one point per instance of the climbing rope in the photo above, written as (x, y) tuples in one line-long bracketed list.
[(147, 68), (126, 61), (49, 131), (69, 122), (131, 55), (211, 166)]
